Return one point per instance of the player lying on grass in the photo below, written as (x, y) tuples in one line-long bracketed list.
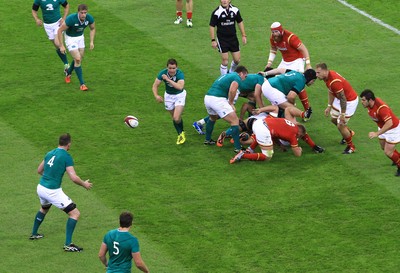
[(267, 131)]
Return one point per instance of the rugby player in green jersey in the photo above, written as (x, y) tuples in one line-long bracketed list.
[(219, 102), (52, 169), (174, 96), (247, 87), (283, 89), (74, 27), (122, 247), (52, 20)]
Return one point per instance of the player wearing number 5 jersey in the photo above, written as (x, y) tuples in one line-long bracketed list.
[(122, 248), (52, 168)]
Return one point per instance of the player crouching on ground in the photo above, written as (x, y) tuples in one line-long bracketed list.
[(267, 129)]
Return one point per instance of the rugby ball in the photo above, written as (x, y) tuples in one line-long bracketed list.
[(131, 121)]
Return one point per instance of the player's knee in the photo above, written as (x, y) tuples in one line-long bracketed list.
[(77, 61), (268, 153), (70, 208), (388, 153), (45, 208)]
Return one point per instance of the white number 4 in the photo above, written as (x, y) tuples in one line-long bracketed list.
[(116, 249), (51, 161)]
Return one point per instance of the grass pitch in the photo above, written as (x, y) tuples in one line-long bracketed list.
[(194, 211)]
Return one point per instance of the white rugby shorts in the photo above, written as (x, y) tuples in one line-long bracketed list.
[(391, 136), (296, 65), (274, 96), (51, 29), (262, 133), (351, 107), (55, 197), (217, 106), (74, 43), (173, 100)]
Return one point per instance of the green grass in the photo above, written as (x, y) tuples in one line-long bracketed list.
[(194, 211)]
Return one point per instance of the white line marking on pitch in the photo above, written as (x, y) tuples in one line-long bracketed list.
[(376, 20)]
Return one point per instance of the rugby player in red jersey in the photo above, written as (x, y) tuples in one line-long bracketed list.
[(294, 54), (342, 103), (388, 125)]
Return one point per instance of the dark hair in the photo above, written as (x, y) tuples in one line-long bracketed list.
[(242, 69), (125, 219), (250, 123), (310, 75), (172, 61), (367, 94), (82, 7), (64, 139), (323, 66), (242, 125)]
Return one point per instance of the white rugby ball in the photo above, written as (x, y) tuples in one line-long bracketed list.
[(131, 121)]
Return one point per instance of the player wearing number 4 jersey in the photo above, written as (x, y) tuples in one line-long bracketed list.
[(122, 248), (52, 169)]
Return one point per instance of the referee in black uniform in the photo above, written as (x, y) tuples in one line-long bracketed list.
[(224, 18)]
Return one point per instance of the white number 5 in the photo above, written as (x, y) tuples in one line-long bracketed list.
[(116, 249)]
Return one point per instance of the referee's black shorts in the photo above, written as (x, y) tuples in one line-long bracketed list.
[(228, 44)]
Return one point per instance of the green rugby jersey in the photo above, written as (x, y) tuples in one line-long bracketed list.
[(249, 84), (50, 10), (55, 163), (75, 26), (220, 88), (178, 76), (120, 245), (291, 80)]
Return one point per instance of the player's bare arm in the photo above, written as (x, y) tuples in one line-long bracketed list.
[(343, 105), (291, 97), (177, 85), (388, 124), (66, 12), (304, 51), (38, 22), (137, 258), (92, 34), (258, 97), (102, 254), (77, 180), (329, 107), (41, 168), (297, 150), (232, 93), (273, 72), (271, 57), (60, 31), (156, 84)]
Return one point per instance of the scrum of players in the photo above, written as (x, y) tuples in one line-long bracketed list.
[(277, 124)]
